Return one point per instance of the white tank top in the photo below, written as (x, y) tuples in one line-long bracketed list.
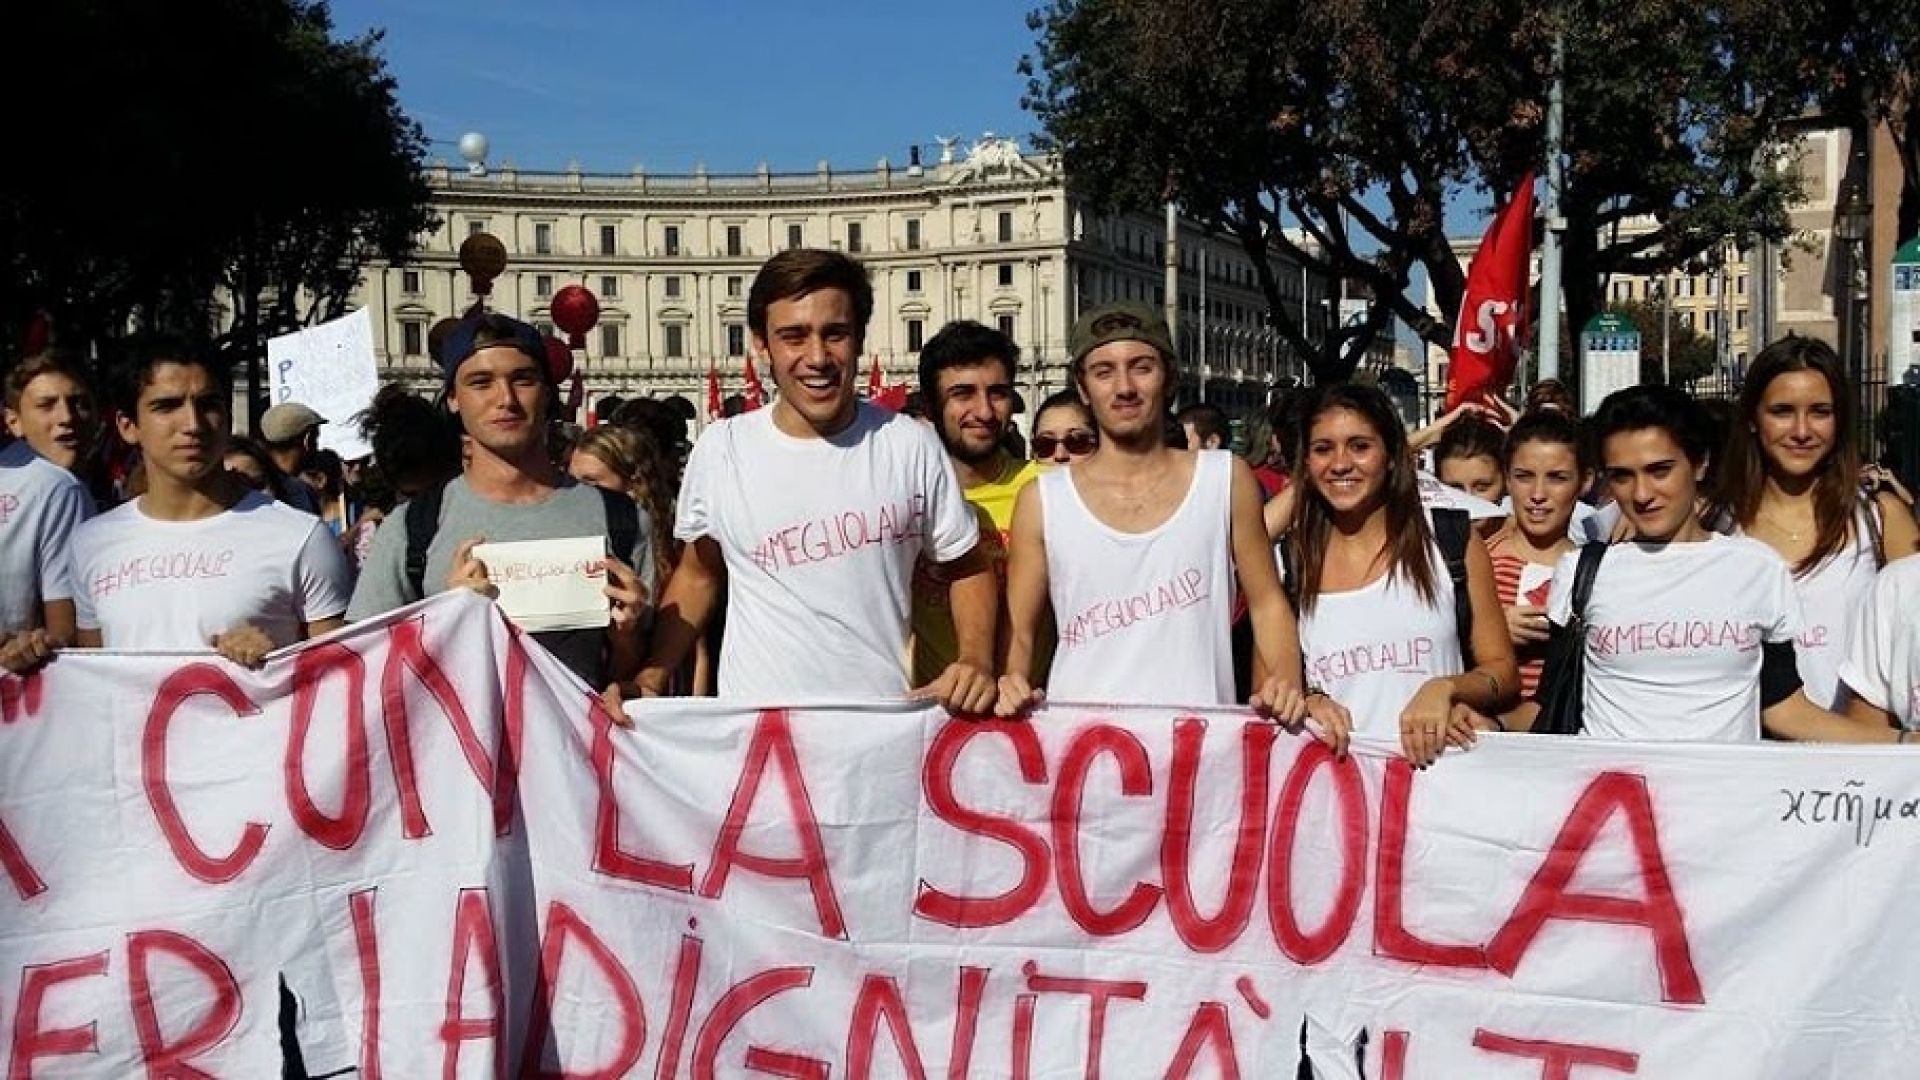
[(1143, 618), (1370, 648), (1831, 596)]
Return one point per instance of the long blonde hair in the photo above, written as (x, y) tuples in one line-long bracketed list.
[(633, 456)]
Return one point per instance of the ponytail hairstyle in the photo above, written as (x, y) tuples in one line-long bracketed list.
[(1409, 539), (1742, 477)]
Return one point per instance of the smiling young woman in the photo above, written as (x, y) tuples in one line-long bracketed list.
[(1792, 480), (1378, 626)]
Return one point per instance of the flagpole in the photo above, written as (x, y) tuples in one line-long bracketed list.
[(1549, 345)]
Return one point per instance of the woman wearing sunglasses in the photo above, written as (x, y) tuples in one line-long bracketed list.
[(1062, 430)]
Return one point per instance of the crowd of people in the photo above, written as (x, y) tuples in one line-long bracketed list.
[(1692, 570)]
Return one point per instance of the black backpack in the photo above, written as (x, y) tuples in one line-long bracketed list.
[(423, 523), (1452, 531)]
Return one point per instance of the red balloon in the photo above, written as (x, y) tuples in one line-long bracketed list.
[(559, 360), (575, 310)]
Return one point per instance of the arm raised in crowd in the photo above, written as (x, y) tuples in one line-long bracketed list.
[(1026, 602), (685, 606)]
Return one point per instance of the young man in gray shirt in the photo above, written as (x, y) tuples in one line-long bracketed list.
[(499, 388)]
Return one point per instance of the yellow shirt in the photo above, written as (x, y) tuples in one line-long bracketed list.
[(934, 643)]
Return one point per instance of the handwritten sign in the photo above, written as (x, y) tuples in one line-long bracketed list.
[(329, 368), (549, 584), (459, 868)]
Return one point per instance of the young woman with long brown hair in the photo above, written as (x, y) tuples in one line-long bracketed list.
[(1546, 468), (1792, 480), (1377, 615)]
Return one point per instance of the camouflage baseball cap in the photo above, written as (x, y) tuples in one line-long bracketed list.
[(1125, 320)]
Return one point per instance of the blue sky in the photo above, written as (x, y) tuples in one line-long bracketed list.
[(672, 84)]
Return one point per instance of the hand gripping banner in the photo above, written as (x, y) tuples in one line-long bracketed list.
[(458, 868)]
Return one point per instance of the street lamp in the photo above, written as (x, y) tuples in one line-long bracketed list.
[(1852, 221)]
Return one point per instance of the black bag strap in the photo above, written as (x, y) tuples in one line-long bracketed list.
[(1584, 572), (1876, 532), (1453, 531), (623, 523), (423, 522), (1289, 575)]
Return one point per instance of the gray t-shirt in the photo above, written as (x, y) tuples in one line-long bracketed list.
[(574, 509)]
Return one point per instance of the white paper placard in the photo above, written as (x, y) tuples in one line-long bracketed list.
[(549, 584), (330, 369)]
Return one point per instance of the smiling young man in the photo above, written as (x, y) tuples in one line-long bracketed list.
[(1137, 548), (966, 378), (199, 559), (811, 515), (498, 386)]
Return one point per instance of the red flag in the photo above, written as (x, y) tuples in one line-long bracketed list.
[(876, 380), (1493, 312), (756, 394), (713, 392)]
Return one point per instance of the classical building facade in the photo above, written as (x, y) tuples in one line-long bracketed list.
[(989, 234)]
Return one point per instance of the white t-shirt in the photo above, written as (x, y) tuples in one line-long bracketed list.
[(1143, 618), (820, 538), (151, 584), (1373, 647), (1831, 595), (40, 505), (1674, 634), (1882, 664)]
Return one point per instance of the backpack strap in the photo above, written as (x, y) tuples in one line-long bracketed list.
[(623, 523), (423, 523), (1453, 531)]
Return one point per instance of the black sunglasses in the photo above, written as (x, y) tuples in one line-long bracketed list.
[(1078, 442)]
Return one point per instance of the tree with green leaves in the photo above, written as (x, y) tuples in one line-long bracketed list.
[(1338, 134), (223, 169), (1693, 352)]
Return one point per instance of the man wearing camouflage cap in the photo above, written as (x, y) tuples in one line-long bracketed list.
[(1137, 548)]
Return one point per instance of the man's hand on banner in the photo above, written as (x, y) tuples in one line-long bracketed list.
[(469, 572), (245, 645), (26, 650), (627, 594), (964, 689), (1017, 696)]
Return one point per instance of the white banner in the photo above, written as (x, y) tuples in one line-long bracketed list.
[(458, 870), (329, 368)]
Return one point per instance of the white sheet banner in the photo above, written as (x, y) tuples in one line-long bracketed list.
[(458, 868)]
